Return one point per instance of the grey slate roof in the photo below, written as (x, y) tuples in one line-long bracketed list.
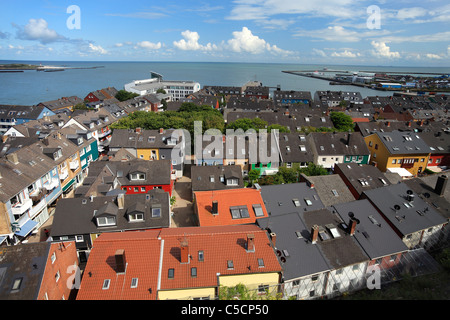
[(330, 188), (290, 148), (201, 177), (403, 142), (425, 187), (278, 199), (338, 143), (124, 138), (362, 176), (390, 201), (304, 257), (26, 261), (373, 233), (75, 216)]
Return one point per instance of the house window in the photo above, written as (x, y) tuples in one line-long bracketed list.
[(232, 182), (136, 189), (393, 258), (194, 272), (201, 256), (17, 283), (296, 283), (288, 164), (53, 257), (308, 202), (156, 212), (260, 263), (136, 217), (134, 283), (142, 189), (106, 283), (378, 261), (106, 221), (230, 264), (262, 289), (314, 278), (258, 210), (57, 276), (296, 202), (239, 212), (336, 194), (394, 161), (171, 273), (79, 238)]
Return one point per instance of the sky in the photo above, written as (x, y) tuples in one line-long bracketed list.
[(347, 32)]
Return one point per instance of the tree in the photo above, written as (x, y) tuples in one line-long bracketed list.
[(241, 292), (161, 90), (278, 127), (123, 95), (246, 124), (253, 175), (80, 106), (313, 170), (342, 121)]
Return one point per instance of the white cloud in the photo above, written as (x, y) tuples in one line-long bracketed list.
[(383, 51), (261, 10), (339, 34), (319, 52), (245, 41), (118, 45), (190, 42), (97, 49), (149, 45), (411, 13), (345, 54), (433, 56), (37, 29)]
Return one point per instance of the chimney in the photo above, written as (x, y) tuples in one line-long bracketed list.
[(120, 260), (273, 237), (352, 226), (250, 243), (121, 201), (161, 130), (4, 138), (348, 138), (441, 184), (314, 233), (45, 141), (388, 124), (184, 251), (12, 157), (409, 124), (138, 130), (215, 207)]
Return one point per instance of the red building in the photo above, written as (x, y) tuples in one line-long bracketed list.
[(100, 95), (140, 176)]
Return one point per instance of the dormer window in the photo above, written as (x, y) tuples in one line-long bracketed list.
[(137, 176), (232, 182), (106, 221), (171, 141), (134, 217), (80, 140), (57, 154)]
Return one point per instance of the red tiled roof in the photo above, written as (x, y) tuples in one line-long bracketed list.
[(219, 244), (143, 257), (226, 199)]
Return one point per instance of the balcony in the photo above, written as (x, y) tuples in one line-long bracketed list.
[(64, 175), (51, 184), (74, 165), (21, 207), (37, 208), (104, 134)]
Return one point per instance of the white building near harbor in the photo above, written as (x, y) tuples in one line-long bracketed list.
[(176, 89)]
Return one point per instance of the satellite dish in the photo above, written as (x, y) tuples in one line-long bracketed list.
[(351, 214), (283, 259), (409, 192), (397, 207), (426, 195)]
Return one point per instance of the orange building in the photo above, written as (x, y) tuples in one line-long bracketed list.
[(229, 207)]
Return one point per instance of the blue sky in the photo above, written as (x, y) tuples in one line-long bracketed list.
[(392, 33)]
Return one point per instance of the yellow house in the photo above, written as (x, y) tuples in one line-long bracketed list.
[(199, 261), (396, 151)]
